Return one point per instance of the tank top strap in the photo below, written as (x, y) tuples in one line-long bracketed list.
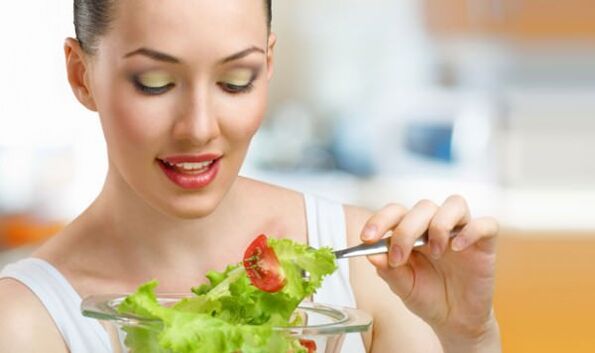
[(81, 334), (326, 227)]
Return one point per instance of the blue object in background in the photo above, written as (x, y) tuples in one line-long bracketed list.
[(432, 140), (351, 148)]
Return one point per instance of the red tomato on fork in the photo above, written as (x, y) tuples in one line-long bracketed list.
[(262, 266)]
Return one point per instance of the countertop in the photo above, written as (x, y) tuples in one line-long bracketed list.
[(528, 208)]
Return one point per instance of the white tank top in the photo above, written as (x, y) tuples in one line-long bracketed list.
[(326, 227)]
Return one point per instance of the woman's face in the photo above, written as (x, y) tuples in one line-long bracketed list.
[(181, 88)]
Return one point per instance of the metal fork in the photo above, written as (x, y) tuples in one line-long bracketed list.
[(381, 246)]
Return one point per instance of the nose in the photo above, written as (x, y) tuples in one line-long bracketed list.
[(197, 124)]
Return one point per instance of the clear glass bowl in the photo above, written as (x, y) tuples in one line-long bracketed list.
[(324, 324)]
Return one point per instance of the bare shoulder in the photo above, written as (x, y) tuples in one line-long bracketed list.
[(394, 325), (283, 208), (25, 326), (264, 190)]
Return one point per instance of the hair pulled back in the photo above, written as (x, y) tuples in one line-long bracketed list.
[(92, 19)]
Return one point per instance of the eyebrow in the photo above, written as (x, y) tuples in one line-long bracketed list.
[(159, 56)]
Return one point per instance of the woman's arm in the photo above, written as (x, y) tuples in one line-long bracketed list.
[(25, 325), (395, 328), (447, 284)]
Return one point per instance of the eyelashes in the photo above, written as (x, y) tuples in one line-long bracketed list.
[(149, 90), (153, 82), (235, 89), (238, 81), (158, 83)]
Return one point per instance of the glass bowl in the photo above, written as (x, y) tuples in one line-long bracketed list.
[(326, 325)]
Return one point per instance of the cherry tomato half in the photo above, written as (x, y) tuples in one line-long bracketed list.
[(262, 266), (310, 345)]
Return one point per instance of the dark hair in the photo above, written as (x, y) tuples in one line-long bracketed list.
[(93, 17)]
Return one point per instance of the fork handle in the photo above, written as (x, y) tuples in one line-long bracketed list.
[(381, 246)]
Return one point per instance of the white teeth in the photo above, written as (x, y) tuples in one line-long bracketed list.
[(193, 166)]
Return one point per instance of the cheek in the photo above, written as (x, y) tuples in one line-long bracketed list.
[(244, 116), (130, 118)]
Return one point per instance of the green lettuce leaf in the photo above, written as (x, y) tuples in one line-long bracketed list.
[(228, 314), (297, 259)]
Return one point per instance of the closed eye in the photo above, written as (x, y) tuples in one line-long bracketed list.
[(234, 89), (153, 82), (239, 80), (153, 90)]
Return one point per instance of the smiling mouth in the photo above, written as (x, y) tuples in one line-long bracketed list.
[(191, 172), (188, 167)]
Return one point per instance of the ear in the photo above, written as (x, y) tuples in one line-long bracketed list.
[(77, 69), (270, 55)]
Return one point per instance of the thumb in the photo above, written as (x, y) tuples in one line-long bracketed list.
[(401, 279)]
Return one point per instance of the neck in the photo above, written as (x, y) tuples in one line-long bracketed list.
[(151, 241)]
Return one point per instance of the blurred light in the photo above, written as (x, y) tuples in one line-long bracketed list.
[(17, 174), (471, 133)]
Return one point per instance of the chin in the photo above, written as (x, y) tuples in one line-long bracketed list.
[(192, 209), (188, 205), (190, 213)]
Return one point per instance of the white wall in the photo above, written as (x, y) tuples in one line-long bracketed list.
[(52, 157), (51, 148)]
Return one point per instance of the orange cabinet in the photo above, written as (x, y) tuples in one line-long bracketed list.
[(523, 19), (545, 292), (22, 229)]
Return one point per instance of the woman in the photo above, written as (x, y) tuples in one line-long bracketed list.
[(181, 87)]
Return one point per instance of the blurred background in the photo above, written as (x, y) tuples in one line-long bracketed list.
[(373, 101)]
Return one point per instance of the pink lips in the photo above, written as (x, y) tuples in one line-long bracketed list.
[(190, 179)]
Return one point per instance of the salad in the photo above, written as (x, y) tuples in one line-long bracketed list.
[(237, 309)]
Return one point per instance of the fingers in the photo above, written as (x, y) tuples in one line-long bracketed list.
[(408, 225), (454, 212), (382, 222), (479, 229), (411, 227)]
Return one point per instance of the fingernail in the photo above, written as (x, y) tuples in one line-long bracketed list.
[(435, 249), (396, 255), (458, 244), (370, 232)]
